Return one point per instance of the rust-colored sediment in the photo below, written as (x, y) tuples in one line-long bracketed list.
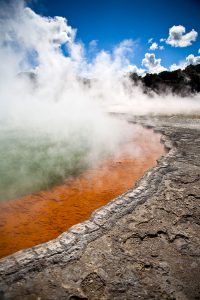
[(42, 216)]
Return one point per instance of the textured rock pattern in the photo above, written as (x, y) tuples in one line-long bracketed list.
[(143, 245)]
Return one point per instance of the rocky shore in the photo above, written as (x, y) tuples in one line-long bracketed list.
[(142, 245)]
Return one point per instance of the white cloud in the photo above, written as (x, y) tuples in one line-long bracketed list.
[(162, 40), (199, 51), (154, 46), (152, 64), (190, 60), (175, 67), (193, 60), (135, 69), (150, 40), (178, 38)]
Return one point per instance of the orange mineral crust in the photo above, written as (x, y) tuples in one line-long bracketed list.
[(42, 216)]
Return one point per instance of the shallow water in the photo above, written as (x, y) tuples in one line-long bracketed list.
[(39, 217), (33, 161)]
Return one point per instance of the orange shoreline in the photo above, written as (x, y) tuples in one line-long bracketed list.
[(42, 216)]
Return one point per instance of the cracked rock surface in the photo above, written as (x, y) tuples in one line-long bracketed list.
[(143, 245)]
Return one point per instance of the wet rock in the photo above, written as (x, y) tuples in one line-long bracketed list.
[(142, 245)]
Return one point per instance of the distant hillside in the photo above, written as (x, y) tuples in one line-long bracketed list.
[(180, 82)]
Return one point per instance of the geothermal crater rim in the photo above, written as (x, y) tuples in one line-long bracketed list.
[(71, 243), (73, 203)]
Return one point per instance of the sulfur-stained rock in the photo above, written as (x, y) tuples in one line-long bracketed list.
[(142, 245)]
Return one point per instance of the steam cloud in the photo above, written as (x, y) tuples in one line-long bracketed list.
[(55, 103)]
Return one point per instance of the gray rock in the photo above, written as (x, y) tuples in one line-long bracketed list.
[(142, 245)]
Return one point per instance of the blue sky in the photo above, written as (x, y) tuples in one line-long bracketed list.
[(111, 21)]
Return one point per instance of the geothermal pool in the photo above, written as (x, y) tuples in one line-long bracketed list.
[(42, 216)]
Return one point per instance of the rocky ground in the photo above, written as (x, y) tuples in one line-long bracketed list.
[(143, 245)]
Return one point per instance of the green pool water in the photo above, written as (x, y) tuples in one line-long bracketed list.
[(33, 162)]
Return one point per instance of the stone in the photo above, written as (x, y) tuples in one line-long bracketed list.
[(143, 245)]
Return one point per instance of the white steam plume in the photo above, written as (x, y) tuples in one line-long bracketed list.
[(30, 42), (62, 98)]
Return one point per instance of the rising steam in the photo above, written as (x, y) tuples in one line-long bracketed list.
[(54, 104)]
